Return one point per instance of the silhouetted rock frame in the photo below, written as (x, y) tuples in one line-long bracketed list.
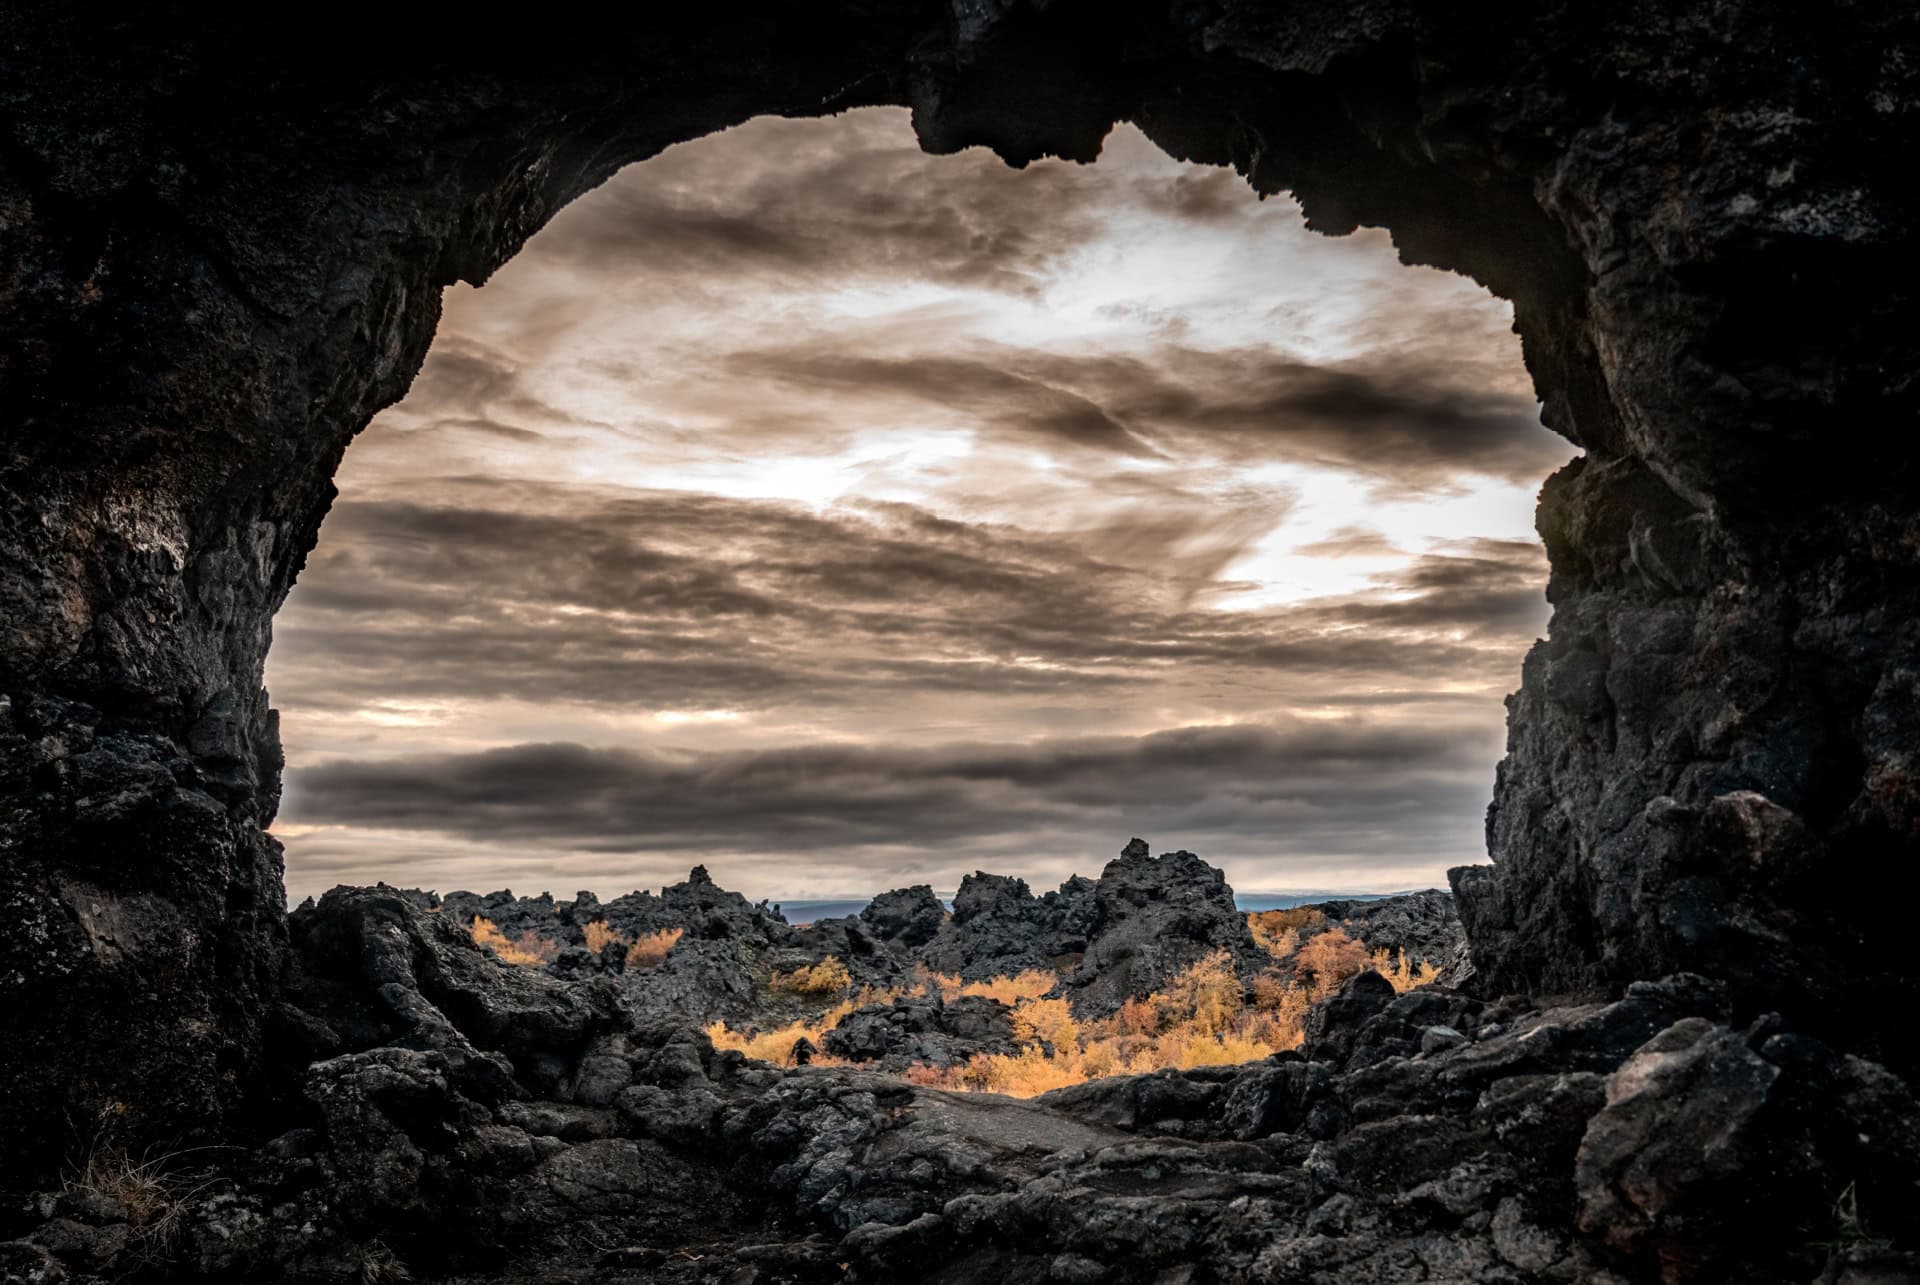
[(222, 247)]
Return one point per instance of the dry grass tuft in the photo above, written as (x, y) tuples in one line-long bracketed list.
[(1278, 932), (828, 977), (776, 1046), (601, 935), (151, 1189), (528, 950), (1205, 1017), (376, 1264), (1032, 984), (1332, 957), (648, 951), (1402, 972)]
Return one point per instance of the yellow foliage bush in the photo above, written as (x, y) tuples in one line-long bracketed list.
[(828, 977), (601, 935), (1331, 958), (1278, 931), (776, 1046), (1204, 1017), (529, 949), (650, 949), (1402, 972), (1032, 984)]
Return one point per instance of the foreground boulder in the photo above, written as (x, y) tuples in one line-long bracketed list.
[(448, 1118), (1152, 918)]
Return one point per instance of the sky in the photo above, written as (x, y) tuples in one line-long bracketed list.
[(841, 517)]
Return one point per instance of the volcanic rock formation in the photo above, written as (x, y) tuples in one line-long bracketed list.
[(453, 1117), (1124, 935), (222, 245)]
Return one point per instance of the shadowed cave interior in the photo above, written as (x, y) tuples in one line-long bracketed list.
[(1685, 1051)]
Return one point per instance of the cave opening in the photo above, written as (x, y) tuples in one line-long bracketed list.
[(797, 438), (842, 518), (226, 243)]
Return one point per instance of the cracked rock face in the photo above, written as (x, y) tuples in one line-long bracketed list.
[(468, 1120), (222, 246)]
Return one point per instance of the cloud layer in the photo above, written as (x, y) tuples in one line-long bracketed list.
[(855, 514)]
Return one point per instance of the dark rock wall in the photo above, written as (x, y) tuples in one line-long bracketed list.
[(221, 251)]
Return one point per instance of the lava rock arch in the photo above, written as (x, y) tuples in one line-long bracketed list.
[(221, 251)]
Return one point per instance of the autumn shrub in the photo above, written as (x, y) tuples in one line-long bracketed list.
[(528, 949), (828, 977), (1032, 984), (1402, 972), (600, 935), (649, 949), (1331, 957), (777, 1045), (1205, 1016), (1278, 932), (928, 982)]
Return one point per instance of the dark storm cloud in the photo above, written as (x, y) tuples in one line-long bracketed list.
[(988, 390), (870, 205), (818, 309), (1488, 588), (1413, 424), (670, 598), (1339, 786)]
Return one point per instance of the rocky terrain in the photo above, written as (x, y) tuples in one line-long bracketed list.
[(1685, 1050), (1125, 935), (443, 1116)]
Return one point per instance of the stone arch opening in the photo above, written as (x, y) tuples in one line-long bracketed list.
[(801, 470), (221, 262)]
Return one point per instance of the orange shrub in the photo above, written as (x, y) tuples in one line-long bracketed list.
[(529, 949), (1032, 984), (1138, 1016), (1402, 972), (601, 935), (776, 1046), (1278, 931), (828, 977), (1331, 958), (928, 982), (649, 950), (1204, 1017)]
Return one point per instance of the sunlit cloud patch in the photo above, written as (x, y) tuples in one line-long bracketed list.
[(841, 516)]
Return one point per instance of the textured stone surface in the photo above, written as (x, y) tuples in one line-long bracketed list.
[(1640, 1140), (222, 244)]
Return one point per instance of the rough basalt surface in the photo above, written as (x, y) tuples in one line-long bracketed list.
[(455, 1118), (1127, 934), (222, 245), (1420, 926)]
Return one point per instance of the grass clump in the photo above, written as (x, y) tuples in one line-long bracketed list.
[(650, 949), (828, 977), (1205, 1017), (154, 1191), (1278, 932), (1401, 970), (528, 949)]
